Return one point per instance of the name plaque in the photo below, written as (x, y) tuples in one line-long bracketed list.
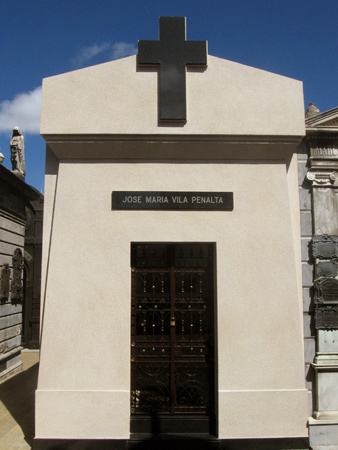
[(326, 290), (172, 201), (325, 246)]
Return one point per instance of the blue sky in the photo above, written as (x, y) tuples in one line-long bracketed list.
[(42, 38)]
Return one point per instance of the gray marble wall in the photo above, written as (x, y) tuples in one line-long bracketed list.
[(305, 201), (12, 235)]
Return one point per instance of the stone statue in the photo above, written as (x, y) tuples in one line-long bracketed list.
[(18, 153), (311, 111)]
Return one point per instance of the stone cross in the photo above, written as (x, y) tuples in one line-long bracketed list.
[(172, 53)]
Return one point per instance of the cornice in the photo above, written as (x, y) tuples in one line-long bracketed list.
[(68, 138)]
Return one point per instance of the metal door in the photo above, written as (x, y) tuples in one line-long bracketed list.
[(171, 343)]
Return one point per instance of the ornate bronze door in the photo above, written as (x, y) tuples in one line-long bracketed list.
[(172, 333)]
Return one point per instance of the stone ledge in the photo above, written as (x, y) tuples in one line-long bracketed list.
[(16, 351), (323, 434), (11, 370)]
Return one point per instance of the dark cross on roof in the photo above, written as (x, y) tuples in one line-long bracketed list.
[(172, 53)]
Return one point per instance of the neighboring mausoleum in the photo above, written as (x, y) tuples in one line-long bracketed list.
[(318, 175), (16, 200)]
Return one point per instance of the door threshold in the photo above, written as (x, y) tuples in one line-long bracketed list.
[(158, 424), (173, 436)]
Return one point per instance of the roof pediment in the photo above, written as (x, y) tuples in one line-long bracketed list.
[(325, 121), (119, 98)]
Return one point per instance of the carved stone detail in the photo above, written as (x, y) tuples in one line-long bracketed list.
[(16, 286), (28, 217), (332, 123), (328, 151), (4, 282), (321, 178)]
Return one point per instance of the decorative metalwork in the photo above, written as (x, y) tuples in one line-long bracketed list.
[(16, 286), (191, 386), (326, 317), (326, 285), (171, 310), (4, 282)]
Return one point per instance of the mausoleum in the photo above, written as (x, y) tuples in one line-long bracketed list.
[(172, 265)]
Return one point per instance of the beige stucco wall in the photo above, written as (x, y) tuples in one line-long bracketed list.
[(86, 324)]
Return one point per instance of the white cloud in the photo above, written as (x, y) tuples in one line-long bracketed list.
[(105, 50), (88, 53), (122, 49), (23, 111)]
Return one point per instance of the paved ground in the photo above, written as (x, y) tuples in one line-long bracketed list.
[(17, 408), (17, 405)]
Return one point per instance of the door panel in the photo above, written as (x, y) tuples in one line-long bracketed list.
[(172, 316)]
